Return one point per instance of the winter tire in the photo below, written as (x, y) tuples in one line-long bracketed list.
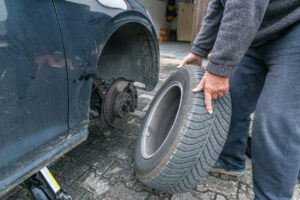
[(180, 141)]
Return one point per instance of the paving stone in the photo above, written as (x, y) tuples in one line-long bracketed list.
[(122, 138), (245, 193), (95, 184), (225, 187), (220, 197), (22, 194), (102, 167), (159, 196), (297, 192), (104, 145), (139, 114), (139, 186), (124, 153), (119, 191), (68, 170), (79, 152), (155, 194), (135, 128), (93, 139), (107, 133), (119, 172), (17, 193), (141, 106), (12, 192), (132, 121), (146, 108), (87, 196), (96, 128), (133, 146), (97, 161), (147, 101), (127, 127), (147, 96), (155, 197), (247, 179), (208, 195), (78, 193), (184, 196)]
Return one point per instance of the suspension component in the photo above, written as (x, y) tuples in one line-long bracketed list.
[(120, 99)]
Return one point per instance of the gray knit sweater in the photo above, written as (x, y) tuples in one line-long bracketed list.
[(232, 26)]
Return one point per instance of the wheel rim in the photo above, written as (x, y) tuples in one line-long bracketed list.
[(161, 120)]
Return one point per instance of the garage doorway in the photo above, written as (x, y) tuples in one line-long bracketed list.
[(176, 20)]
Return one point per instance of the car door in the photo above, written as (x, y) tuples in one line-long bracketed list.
[(83, 25), (33, 84)]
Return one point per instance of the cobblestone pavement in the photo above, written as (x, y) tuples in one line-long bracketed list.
[(103, 167)]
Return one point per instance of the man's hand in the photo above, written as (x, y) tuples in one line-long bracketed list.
[(191, 58), (214, 87)]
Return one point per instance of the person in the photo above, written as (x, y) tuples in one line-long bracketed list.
[(257, 45)]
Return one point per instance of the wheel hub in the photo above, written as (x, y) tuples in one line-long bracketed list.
[(119, 101), (122, 104)]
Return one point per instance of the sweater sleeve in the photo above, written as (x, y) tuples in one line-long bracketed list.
[(240, 23), (205, 40)]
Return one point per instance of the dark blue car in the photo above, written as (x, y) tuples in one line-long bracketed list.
[(63, 62)]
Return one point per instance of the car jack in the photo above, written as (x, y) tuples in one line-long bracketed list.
[(48, 189)]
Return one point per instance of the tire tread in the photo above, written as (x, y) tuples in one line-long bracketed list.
[(199, 148)]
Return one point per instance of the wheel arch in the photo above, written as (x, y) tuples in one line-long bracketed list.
[(131, 50)]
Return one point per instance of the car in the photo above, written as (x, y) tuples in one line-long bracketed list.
[(63, 62)]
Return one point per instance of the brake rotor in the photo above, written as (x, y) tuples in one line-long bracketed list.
[(117, 104)]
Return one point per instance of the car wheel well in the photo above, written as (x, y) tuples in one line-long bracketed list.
[(131, 52)]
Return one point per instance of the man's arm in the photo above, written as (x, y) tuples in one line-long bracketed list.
[(205, 40), (240, 23)]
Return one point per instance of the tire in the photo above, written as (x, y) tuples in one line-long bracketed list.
[(180, 141)]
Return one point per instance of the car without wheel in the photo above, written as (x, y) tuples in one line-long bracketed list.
[(63, 62)]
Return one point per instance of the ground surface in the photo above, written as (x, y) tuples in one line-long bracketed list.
[(103, 166)]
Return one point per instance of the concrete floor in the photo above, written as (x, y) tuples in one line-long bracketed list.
[(176, 50)]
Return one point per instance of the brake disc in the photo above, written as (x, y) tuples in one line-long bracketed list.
[(119, 100)]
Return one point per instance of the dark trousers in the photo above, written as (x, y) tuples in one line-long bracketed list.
[(267, 81)]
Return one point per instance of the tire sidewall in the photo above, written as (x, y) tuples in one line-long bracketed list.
[(146, 166)]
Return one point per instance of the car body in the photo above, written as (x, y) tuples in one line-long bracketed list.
[(51, 51)]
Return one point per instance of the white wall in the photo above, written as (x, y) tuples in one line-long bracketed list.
[(157, 10)]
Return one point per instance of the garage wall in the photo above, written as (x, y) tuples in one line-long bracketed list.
[(157, 10), (200, 12)]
